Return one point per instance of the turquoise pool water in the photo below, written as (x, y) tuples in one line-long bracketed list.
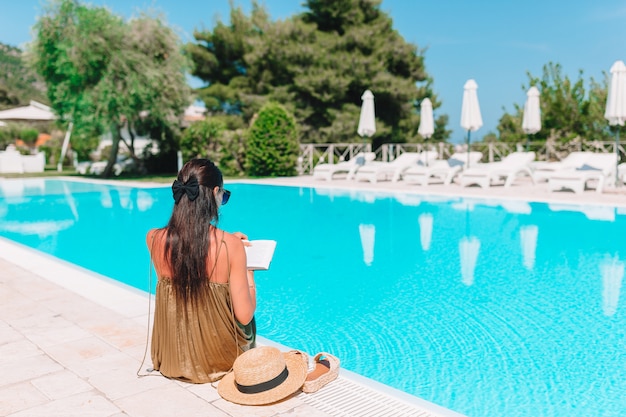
[(490, 308)]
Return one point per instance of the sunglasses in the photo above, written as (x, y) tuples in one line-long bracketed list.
[(225, 196)]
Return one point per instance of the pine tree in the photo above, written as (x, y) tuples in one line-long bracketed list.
[(316, 64)]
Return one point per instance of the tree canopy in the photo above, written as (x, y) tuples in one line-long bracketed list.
[(18, 83), (568, 110), (105, 74), (317, 64)]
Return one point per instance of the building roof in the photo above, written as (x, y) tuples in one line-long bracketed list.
[(34, 111)]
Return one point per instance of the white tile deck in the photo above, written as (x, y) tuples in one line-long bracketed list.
[(71, 342)]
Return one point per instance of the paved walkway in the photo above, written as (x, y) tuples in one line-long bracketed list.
[(71, 342), (523, 189)]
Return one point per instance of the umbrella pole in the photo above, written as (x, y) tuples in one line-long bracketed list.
[(468, 148), (617, 184), (527, 141)]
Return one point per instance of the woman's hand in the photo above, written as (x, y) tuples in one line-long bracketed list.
[(243, 237)]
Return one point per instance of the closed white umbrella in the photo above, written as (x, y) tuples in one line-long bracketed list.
[(531, 122), (427, 123), (612, 270), (615, 111), (471, 120), (367, 119)]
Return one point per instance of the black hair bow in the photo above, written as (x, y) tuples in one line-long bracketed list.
[(191, 188)]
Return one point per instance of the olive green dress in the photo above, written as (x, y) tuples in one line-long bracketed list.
[(197, 342)]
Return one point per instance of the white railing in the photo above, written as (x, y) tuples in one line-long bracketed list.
[(312, 154)]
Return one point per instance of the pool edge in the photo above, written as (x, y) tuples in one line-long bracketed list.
[(131, 302)]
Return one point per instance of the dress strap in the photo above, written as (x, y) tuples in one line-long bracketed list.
[(227, 258), (217, 256)]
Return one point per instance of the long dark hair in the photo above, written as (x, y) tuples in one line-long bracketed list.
[(188, 230)]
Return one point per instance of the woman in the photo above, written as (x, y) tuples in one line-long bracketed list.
[(205, 296)]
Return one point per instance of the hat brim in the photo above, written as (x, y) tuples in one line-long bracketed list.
[(297, 368)]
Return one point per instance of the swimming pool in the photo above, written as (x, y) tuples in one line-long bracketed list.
[(490, 308)]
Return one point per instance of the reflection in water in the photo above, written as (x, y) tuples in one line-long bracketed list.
[(408, 199), (612, 270), (516, 207), (366, 196), (332, 193), (592, 212), (528, 238), (367, 232), (464, 205), (128, 199), (426, 229), (70, 200), (468, 249), (10, 188), (105, 198), (144, 200), (20, 187), (44, 228), (18, 191), (511, 206), (124, 198)]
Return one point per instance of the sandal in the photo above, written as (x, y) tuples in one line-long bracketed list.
[(326, 370), (303, 355)]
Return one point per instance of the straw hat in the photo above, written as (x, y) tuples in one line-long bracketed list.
[(263, 375)]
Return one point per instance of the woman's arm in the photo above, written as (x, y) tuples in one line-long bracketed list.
[(242, 288)]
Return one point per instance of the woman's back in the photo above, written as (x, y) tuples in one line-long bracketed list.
[(217, 259), (196, 340)]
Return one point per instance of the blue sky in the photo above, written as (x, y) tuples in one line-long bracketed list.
[(494, 42)]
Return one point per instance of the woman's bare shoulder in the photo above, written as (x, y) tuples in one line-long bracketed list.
[(231, 240), (228, 237), (154, 234)]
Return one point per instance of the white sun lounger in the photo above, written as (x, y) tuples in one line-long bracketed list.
[(327, 171), (598, 168), (508, 170), (378, 170), (440, 170), (542, 170)]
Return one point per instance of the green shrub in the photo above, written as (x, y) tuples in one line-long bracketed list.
[(219, 138), (6, 137), (29, 136), (83, 144), (272, 143), (49, 151), (201, 138)]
